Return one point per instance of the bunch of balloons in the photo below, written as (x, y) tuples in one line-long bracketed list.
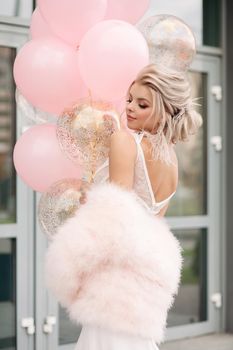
[(75, 69), (77, 49), (78, 45)]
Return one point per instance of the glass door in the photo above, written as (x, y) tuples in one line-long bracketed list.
[(194, 216), (195, 211), (16, 212), (54, 329)]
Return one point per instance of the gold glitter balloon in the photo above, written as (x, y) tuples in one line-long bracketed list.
[(171, 42), (84, 134), (59, 203)]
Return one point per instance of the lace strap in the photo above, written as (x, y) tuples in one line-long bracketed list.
[(140, 150), (138, 136)]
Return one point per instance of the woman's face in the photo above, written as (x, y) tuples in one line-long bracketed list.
[(139, 109)]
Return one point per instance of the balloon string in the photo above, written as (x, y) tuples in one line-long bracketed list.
[(95, 156), (90, 97)]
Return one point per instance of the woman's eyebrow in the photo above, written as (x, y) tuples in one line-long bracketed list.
[(143, 99), (138, 98)]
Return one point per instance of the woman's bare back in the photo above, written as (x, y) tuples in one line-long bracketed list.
[(163, 177)]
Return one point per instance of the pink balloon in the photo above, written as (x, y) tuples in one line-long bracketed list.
[(39, 27), (46, 72), (70, 19), (39, 160), (110, 55), (120, 106), (126, 10)]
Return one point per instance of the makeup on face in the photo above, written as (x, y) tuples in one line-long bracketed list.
[(139, 107)]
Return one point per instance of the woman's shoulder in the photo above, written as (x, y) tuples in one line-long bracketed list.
[(123, 143), (122, 134), (123, 138)]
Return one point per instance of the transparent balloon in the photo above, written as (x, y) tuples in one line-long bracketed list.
[(171, 41), (84, 134), (60, 203), (31, 114)]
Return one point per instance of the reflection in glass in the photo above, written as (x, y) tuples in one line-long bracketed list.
[(7, 294), (7, 136), (68, 331), (191, 302), (191, 195), (212, 15)]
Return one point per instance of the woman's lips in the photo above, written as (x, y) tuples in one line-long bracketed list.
[(129, 117)]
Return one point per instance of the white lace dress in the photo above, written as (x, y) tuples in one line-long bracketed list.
[(142, 185), (94, 337)]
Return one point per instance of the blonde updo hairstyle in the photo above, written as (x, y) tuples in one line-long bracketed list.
[(172, 102)]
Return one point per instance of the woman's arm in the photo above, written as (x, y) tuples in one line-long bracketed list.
[(122, 159)]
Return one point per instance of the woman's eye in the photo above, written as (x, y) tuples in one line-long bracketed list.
[(128, 101), (142, 106)]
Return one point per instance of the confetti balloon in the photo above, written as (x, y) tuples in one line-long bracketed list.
[(171, 42), (59, 203), (84, 134)]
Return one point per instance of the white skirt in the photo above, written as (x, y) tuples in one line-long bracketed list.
[(96, 338)]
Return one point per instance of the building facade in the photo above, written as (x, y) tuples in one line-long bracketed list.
[(200, 215)]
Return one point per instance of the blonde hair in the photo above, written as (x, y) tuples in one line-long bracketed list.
[(172, 101)]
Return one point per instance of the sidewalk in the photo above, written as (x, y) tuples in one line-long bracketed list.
[(207, 342)]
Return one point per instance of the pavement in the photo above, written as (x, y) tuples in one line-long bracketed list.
[(216, 341)]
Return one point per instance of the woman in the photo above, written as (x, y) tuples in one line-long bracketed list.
[(115, 266), (159, 113)]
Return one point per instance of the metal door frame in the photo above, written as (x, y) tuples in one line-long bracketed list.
[(14, 36), (211, 65)]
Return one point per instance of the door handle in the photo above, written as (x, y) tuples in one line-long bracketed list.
[(216, 141), (28, 324), (49, 323)]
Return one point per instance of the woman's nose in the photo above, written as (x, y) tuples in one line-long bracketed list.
[(130, 106)]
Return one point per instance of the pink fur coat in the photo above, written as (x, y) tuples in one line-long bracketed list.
[(115, 265)]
